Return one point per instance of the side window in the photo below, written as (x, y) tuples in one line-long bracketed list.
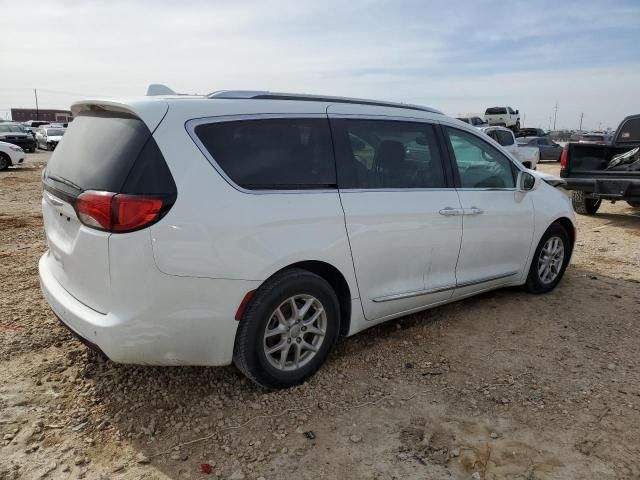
[(511, 111), (388, 154), (504, 138), (630, 131), (479, 164), (272, 154)]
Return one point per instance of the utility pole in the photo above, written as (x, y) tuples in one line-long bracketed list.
[(581, 115), (35, 92), (555, 115)]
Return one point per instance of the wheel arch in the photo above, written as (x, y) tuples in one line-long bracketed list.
[(569, 227), (335, 279)]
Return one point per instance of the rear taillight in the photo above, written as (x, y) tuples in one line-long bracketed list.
[(114, 212), (563, 157)]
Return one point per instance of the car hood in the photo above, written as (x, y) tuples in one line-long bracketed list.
[(552, 180)]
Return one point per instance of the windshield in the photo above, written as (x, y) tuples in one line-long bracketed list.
[(55, 132), (11, 128)]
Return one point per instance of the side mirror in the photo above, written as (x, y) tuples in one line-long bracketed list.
[(517, 112), (526, 181)]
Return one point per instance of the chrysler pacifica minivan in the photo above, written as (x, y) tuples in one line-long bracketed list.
[(257, 227)]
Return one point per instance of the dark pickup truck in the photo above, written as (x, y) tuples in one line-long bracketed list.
[(604, 172)]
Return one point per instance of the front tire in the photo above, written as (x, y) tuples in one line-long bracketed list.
[(5, 161), (287, 330), (550, 260), (584, 205)]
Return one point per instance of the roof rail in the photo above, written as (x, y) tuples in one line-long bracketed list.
[(264, 95)]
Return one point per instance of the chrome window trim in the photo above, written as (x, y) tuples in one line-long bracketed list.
[(418, 293), (190, 126), (391, 190)]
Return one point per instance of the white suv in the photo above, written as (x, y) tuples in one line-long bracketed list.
[(256, 227), (504, 117)]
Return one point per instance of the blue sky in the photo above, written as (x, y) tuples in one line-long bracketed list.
[(459, 57)]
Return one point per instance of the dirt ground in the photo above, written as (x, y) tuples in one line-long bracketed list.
[(504, 385)]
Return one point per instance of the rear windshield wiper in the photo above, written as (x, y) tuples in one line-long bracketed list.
[(64, 181)]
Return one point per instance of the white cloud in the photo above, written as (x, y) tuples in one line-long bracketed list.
[(456, 56)]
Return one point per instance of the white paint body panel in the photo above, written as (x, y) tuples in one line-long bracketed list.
[(16, 157), (171, 291)]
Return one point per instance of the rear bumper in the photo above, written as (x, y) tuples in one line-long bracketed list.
[(175, 321), (607, 188)]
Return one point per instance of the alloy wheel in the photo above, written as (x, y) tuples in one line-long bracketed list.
[(551, 259), (295, 332)]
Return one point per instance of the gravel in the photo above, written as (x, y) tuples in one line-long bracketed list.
[(425, 391)]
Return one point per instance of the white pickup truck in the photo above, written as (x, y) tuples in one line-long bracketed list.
[(528, 156), (503, 116)]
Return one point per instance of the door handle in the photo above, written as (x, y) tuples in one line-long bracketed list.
[(450, 212), (473, 211)]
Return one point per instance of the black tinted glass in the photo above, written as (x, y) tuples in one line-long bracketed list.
[(630, 131), (282, 153), (100, 149), (496, 111), (504, 138), (389, 154)]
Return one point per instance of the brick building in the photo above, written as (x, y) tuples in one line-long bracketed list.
[(49, 115)]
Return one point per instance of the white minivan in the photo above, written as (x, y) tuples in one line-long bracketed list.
[(257, 227)]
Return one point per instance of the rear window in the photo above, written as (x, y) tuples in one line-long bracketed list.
[(496, 111), (630, 131), (504, 138), (99, 151), (593, 138), (272, 154)]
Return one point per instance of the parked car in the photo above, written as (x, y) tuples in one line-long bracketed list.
[(10, 155), (221, 237), (528, 156), (16, 134), (503, 116), (549, 150), (35, 123), (530, 132), (473, 121), (47, 137), (595, 171), (596, 138)]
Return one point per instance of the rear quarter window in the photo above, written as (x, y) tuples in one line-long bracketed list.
[(272, 154)]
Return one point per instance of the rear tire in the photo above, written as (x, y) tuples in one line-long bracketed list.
[(634, 204), (550, 260), (584, 205), (5, 161), (276, 346)]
